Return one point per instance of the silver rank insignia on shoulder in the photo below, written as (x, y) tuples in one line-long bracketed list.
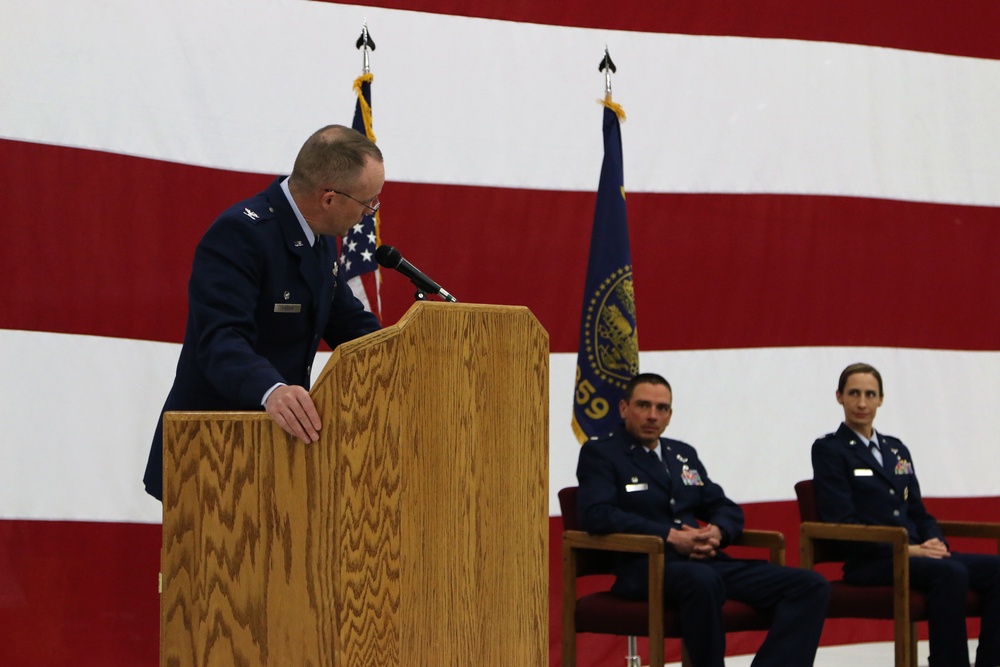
[(250, 214)]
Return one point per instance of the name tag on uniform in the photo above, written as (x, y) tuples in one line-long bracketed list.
[(288, 307), (629, 488), (863, 472)]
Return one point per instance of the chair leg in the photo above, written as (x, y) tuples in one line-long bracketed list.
[(905, 643), (568, 644), (632, 659)]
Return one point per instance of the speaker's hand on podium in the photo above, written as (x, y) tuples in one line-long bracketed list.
[(294, 411)]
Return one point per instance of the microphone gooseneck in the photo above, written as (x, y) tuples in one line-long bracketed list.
[(391, 258)]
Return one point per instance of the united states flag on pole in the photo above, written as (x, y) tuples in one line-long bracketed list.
[(357, 250)]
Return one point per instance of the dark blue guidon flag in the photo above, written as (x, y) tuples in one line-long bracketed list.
[(609, 348)]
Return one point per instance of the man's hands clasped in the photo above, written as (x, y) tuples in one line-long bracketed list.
[(695, 543)]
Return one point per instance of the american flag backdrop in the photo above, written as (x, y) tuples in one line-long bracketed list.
[(809, 184)]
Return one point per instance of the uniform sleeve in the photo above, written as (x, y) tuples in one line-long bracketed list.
[(223, 292), (834, 498)]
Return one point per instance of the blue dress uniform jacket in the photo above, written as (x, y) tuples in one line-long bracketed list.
[(853, 487), (624, 489), (259, 301)]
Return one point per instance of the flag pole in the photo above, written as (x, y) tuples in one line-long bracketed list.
[(608, 67), (357, 248), (608, 355), (364, 42)]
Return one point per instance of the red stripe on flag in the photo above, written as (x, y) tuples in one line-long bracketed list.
[(101, 243), (722, 271), (938, 27), (82, 594), (778, 270), (104, 242)]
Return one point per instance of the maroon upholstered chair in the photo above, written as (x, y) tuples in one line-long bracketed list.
[(824, 542), (606, 613)]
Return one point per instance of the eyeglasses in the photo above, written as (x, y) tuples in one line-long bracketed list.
[(372, 204)]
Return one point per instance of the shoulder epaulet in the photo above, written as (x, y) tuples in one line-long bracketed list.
[(601, 438), (255, 211), (250, 213)]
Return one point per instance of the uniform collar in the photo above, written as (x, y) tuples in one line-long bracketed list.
[(298, 214), (863, 439)]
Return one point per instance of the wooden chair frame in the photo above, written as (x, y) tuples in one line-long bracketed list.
[(652, 545), (905, 625)]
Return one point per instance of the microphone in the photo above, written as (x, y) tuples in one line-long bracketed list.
[(390, 258)]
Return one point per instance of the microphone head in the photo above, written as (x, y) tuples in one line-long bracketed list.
[(388, 256)]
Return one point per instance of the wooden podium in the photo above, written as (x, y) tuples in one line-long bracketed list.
[(414, 533)]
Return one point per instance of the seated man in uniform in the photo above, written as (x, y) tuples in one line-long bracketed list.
[(866, 477), (634, 481)]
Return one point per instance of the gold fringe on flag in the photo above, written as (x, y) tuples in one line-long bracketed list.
[(366, 110), (614, 106), (366, 115)]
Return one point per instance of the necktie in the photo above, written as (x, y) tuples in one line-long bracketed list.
[(659, 461), (876, 452)]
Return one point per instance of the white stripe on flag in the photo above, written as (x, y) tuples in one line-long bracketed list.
[(706, 114)]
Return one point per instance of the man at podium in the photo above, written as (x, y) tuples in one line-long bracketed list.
[(264, 289)]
